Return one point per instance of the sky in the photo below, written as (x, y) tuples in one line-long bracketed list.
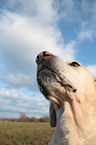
[(66, 28)]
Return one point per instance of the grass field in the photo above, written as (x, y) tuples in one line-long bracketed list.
[(25, 133)]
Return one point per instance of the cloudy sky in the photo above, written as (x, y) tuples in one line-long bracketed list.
[(66, 28)]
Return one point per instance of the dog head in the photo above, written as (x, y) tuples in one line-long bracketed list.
[(57, 79)]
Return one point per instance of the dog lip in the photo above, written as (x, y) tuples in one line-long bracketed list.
[(64, 82), (70, 87), (60, 79), (56, 100)]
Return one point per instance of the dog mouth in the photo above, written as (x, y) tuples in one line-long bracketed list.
[(64, 82), (56, 100), (60, 79)]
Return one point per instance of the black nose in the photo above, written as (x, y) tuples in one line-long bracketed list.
[(42, 56)]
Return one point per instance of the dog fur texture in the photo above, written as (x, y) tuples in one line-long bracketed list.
[(71, 89)]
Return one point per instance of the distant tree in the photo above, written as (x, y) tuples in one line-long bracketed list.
[(44, 119), (34, 119), (23, 117)]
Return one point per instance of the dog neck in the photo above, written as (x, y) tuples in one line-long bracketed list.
[(72, 124)]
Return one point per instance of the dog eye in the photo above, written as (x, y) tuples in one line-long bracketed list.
[(75, 64)]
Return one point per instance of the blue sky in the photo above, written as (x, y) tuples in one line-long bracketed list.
[(66, 28)]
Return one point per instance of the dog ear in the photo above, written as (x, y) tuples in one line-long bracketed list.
[(52, 115)]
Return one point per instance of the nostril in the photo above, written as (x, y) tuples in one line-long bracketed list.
[(45, 53), (42, 56)]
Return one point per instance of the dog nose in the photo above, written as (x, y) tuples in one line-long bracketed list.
[(43, 56)]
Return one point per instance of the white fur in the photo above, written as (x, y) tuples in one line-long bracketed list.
[(76, 120), (72, 112)]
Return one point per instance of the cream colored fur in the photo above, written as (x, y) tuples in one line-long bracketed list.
[(74, 115), (76, 120)]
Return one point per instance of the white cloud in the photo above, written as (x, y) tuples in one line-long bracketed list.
[(20, 81), (27, 29), (13, 101), (66, 9), (78, 13), (85, 34), (88, 27), (70, 48), (25, 38), (92, 69), (22, 39), (36, 8), (12, 94)]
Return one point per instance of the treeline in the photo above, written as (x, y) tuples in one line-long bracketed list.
[(27, 119)]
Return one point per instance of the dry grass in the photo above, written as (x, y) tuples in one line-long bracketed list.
[(25, 133)]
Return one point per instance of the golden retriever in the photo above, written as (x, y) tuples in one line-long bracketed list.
[(71, 90)]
